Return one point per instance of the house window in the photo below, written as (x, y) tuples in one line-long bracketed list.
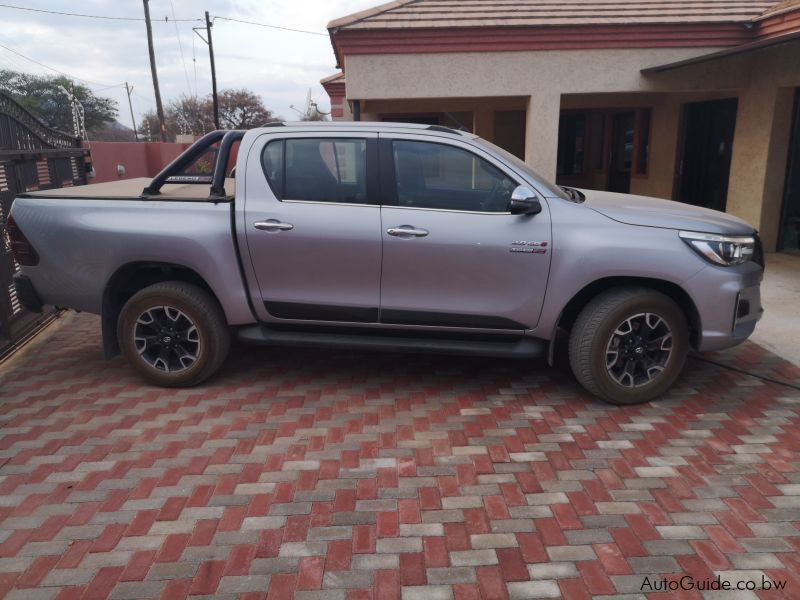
[(571, 144)]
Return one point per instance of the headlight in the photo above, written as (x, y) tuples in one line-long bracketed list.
[(721, 249)]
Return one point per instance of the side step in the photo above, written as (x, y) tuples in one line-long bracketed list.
[(519, 348)]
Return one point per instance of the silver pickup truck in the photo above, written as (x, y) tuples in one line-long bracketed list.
[(386, 236)]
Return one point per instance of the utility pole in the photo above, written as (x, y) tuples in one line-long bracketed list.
[(209, 24), (129, 90), (159, 107)]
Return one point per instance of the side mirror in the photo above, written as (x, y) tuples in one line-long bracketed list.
[(524, 202)]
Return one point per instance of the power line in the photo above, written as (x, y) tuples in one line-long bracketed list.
[(180, 46), (194, 65), (41, 64), (270, 26), (166, 19), (86, 16)]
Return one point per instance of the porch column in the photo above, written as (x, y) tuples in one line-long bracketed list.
[(483, 123), (758, 164), (541, 133)]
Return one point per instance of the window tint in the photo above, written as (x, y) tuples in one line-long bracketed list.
[(322, 170), (431, 175), (272, 162)]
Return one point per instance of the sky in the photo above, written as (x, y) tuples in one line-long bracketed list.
[(278, 65)]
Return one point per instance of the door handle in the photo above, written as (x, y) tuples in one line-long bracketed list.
[(407, 230), (273, 225)]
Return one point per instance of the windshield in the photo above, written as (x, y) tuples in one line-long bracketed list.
[(549, 188)]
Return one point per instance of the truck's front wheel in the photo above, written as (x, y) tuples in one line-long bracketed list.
[(174, 334), (629, 345)]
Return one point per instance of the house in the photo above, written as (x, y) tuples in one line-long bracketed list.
[(694, 100)]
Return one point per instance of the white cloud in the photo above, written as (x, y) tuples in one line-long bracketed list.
[(278, 65)]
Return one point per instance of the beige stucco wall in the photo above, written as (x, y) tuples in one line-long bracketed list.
[(547, 81), (540, 76), (761, 142)]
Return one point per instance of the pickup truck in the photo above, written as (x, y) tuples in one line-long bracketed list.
[(385, 236)]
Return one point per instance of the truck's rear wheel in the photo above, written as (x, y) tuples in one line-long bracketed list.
[(629, 345), (174, 334)]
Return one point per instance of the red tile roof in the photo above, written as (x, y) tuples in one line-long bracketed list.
[(430, 14)]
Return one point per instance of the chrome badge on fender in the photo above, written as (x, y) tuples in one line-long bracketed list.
[(528, 247)]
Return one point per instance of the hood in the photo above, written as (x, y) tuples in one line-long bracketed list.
[(654, 212)]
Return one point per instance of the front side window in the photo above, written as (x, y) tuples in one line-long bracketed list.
[(431, 175), (317, 169)]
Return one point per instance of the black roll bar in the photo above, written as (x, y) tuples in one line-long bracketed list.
[(184, 160), (223, 154)]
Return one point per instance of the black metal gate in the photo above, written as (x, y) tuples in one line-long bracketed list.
[(32, 157)]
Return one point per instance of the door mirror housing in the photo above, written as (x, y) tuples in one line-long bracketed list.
[(524, 202)]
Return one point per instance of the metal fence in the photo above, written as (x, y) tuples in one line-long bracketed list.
[(32, 157)]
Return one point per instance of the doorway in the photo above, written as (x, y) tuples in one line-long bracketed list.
[(705, 160), (622, 131), (789, 238)]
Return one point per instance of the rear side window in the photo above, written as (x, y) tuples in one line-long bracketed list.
[(317, 169), (439, 176)]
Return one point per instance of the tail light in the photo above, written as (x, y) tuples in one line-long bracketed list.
[(22, 250)]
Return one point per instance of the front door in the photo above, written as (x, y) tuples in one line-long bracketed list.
[(312, 227), (453, 256), (705, 161), (621, 160)]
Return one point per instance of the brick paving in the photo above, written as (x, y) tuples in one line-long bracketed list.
[(350, 475)]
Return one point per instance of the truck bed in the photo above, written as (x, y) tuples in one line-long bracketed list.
[(131, 189)]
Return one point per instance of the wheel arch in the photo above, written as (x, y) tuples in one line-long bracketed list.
[(129, 279), (672, 290)]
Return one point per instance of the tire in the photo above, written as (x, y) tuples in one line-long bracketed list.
[(612, 361), (174, 334)]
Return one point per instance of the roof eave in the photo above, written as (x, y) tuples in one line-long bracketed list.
[(765, 43)]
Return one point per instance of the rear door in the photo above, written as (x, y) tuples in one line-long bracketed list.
[(313, 227), (453, 254)]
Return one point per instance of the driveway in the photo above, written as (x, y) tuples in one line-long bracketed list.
[(353, 475)]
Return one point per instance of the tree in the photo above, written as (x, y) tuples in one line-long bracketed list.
[(242, 109), (190, 115), (187, 115), (238, 109), (41, 95)]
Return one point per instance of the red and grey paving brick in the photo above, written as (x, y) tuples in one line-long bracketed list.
[(316, 474)]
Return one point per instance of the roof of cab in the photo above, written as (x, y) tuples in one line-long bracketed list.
[(376, 126)]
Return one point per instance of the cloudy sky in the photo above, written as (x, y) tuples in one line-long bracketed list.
[(278, 65)]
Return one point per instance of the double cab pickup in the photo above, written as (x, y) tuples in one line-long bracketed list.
[(387, 236)]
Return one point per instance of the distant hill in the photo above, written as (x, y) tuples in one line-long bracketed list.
[(114, 132)]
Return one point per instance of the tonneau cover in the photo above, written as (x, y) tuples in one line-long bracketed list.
[(131, 189)]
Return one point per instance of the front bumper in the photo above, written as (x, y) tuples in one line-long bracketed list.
[(728, 301), (26, 293)]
